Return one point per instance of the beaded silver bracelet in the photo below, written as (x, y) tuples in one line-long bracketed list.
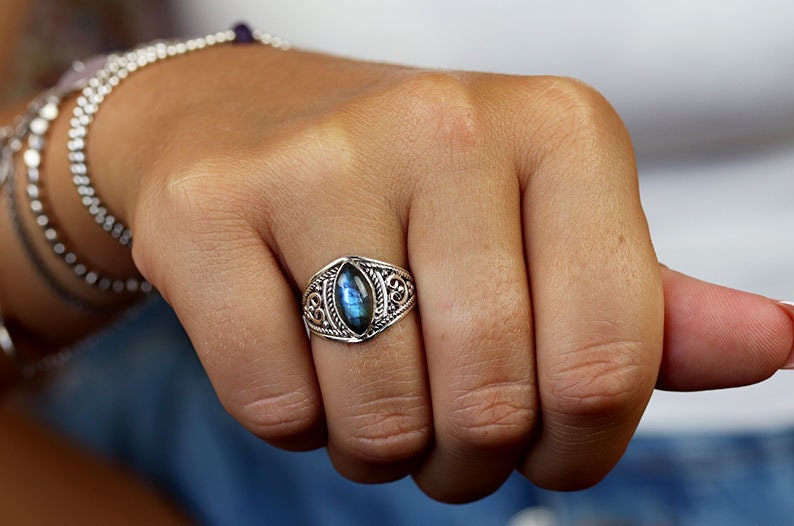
[(27, 134), (12, 143), (98, 87), (32, 159), (43, 271)]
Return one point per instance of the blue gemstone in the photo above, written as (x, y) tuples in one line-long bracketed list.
[(353, 295)]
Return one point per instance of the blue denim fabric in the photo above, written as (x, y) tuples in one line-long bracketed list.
[(139, 395)]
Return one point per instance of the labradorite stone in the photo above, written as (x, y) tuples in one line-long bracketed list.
[(353, 296)]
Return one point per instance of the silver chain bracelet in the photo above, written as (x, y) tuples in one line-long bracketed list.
[(34, 124), (116, 69), (32, 158), (13, 140)]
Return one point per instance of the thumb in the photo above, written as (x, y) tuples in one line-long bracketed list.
[(719, 337)]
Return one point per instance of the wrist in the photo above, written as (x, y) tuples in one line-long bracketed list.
[(167, 114), (131, 140)]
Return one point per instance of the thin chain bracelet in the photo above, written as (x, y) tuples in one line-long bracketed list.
[(28, 369), (55, 360), (32, 159), (116, 69), (44, 273), (12, 143)]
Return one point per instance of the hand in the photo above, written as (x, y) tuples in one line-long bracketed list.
[(540, 329)]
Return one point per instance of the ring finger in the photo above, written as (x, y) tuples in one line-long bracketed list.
[(374, 392)]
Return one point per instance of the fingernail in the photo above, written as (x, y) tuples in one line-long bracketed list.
[(789, 307)]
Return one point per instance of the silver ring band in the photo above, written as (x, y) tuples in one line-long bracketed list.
[(355, 298)]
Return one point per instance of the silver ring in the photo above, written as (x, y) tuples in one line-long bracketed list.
[(355, 298)]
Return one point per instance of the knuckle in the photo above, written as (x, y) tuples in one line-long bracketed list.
[(493, 402), (577, 114), (439, 108), (388, 429), (575, 101), (275, 416), (197, 207), (607, 380), (201, 193), (494, 415), (193, 211), (324, 161), (317, 154)]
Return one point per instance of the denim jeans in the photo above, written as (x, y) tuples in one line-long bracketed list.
[(138, 395)]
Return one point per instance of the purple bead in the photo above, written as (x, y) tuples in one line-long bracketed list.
[(243, 34)]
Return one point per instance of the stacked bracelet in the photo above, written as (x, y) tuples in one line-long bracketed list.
[(28, 137), (117, 68), (12, 144), (45, 274), (32, 159), (95, 82)]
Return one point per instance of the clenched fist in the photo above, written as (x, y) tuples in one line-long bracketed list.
[(540, 330)]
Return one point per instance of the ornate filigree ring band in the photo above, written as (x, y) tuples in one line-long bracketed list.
[(355, 298)]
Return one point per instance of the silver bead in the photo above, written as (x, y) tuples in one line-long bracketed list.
[(49, 111), (117, 68), (39, 125), (31, 158)]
